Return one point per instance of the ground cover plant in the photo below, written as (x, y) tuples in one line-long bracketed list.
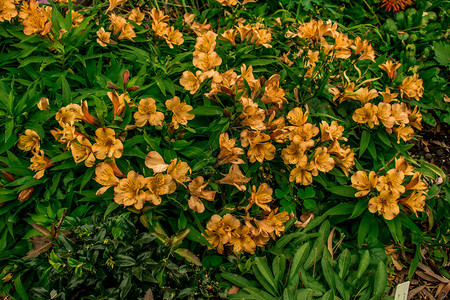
[(221, 149)]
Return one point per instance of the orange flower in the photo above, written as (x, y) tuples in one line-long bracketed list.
[(301, 173), (364, 184), (114, 3), (7, 10), (262, 37), (130, 191), (43, 104), (260, 149), (364, 95), (385, 204), (159, 185), (293, 153), (390, 68), (66, 135), (227, 2), (137, 16), (277, 221), (415, 118), (396, 5), (322, 161), (402, 165), (207, 61), (160, 28), (190, 81), (392, 182), (219, 230), (158, 15), (236, 178), (127, 32), (179, 171), (106, 144), (404, 132), (105, 176), (119, 102), (154, 161), (366, 114), (39, 163), (77, 18), (228, 152), (384, 115), (36, 19), (272, 92), (260, 197), (388, 97), (196, 189), (415, 183), (400, 113), (229, 36), (117, 23), (83, 151), (415, 201), (252, 115), (331, 132), (180, 112), (412, 87), (147, 113), (29, 141), (297, 117), (205, 43), (103, 37), (241, 240), (173, 37), (70, 114)]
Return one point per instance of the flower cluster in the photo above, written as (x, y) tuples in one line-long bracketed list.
[(391, 189)]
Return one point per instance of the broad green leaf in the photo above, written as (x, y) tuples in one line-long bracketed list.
[(380, 282), (189, 256), (237, 280)]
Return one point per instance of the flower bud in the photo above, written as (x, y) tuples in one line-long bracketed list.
[(133, 88), (25, 194), (43, 103), (125, 77), (8, 176), (112, 86)]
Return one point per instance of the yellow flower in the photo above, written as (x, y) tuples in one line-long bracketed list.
[(190, 81), (227, 2), (119, 102), (402, 165), (7, 10), (229, 36), (127, 32), (219, 230), (400, 112), (105, 176), (392, 182), (196, 189), (114, 3), (160, 28), (36, 19), (39, 163), (130, 191), (301, 173), (66, 135), (180, 112), (77, 18), (385, 204), (384, 114), (29, 141), (43, 104), (364, 95), (207, 61), (415, 201), (173, 37), (293, 153), (296, 116), (415, 183), (228, 152), (106, 144), (322, 161), (158, 15), (155, 161), (103, 37), (389, 97), (272, 92), (412, 87), (136, 15), (252, 115), (331, 132), (159, 185), (205, 43), (262, 37), (415, 118), (147, 113), (260, 148), (366, 114), (241, 240), (364, 184), (260, 197), (404, 132), (70, 114), (117, 23), (83, 151), (390, 68), (179, 171), (236, 178)]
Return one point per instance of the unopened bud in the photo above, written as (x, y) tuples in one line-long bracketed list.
[(26, 194), (111, 85), (8, 176), (125, 77), (133, 88), (43, 103)]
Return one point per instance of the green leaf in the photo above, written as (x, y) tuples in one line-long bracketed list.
[(380, 283), (62, 156), (207, 111), (309, 203), (364, 227), (189, 256), (258, 294), (20, 288), (122, 260), (365, 139), (343, 190), (363, 264), (264, 269), (307, 193), (442, 53), (299, 258), (340, 209), (344, 263), (328, 272), (237, 280)]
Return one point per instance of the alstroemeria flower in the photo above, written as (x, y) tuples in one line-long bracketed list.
[(155, 161), (127, 32), (159, 185), (147, 113), (205, 43), (390, 68), (180, 112), (235, 177), (103, 37), (363, 184), (130, 191), (179, 171), (241, 240), (136, 15), (196, 189), (228, 152), (207, 61), (173, 37), (273, 93), (82, 151), (190, 81), (106, 144), (29, 141), (392, 181), (117, 23), (385, 204), (105, 176), (114, 3), (7, 10), (39, 163), (415, 201), (70, 114), (366, 114), (322, 161), (331, 132), (412, 87), (261, 197), (302, 172)]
